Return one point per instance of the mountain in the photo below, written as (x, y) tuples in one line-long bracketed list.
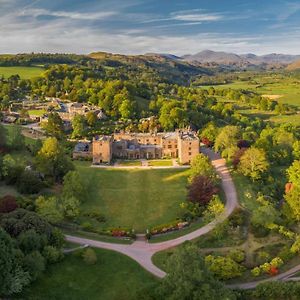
[(209, 56), (225, 58), (294, 66)]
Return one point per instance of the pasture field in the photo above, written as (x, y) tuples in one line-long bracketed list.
[(23, 72), (114, 276), (133, 198), (287, 88)]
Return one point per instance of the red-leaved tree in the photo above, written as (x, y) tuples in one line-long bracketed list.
[(201, 190), (8, 203)]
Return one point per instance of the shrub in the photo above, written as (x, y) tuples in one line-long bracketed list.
[(52, 254), (238, 217), (237, 255), (262, 257), (223, 267), (8, 203), (255, 271), (89, 256)]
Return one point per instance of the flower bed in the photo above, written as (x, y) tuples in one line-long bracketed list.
[(164, 228)]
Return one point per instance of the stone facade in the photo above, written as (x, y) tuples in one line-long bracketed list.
[(183, 145)]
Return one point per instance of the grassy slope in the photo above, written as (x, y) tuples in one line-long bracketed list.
[(113, 277), (23, 72), (134, 198)]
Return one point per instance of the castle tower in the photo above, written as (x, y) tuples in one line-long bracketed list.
[(188, 146), (102, 149)]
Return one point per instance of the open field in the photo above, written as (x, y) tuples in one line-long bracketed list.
[(134, 198), (284, 88), (113, 277), (130, 163), (23, 72)]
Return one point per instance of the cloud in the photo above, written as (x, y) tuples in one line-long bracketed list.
[(36, 12), (196, 17)]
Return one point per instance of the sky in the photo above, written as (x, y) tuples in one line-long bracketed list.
[(143, 26)]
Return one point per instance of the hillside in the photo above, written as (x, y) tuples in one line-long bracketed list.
[(294, 66)]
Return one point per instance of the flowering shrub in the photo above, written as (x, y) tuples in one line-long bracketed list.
[(176, 225), (268, 267)]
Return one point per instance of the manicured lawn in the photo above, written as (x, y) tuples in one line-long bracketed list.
[(160, 163), (23, 72), (134, 198), (130, 163), (113, 277), (36, 112)]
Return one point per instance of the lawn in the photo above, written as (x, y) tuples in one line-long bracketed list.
[(134, 198), (130, 163), (113, 277), (23, 72), (160, 163), (36, 112)]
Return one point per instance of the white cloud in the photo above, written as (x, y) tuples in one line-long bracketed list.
[(36, 12), (197, 17)]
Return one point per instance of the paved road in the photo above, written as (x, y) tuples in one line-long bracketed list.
[(142, 251)]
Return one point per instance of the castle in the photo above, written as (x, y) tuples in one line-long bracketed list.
[(183, 145)]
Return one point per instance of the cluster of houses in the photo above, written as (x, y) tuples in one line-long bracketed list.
[(66, 110)]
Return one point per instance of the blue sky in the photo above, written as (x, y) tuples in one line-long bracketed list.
[(141, 26)]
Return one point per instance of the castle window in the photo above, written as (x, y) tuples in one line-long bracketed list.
[(190, 143), (190, 153), (190, 148), (169, 146)]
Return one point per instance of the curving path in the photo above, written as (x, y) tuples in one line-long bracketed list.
[(142, 251)]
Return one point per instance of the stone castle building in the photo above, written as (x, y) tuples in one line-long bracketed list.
[(183, 145)]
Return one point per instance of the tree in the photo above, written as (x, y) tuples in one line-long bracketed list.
[(209, 134), (30, 240), (253, 163), (201, 165), (188, 278), (293, 173), (35, 264), (293, 200), (70, 207), (16, 138), (126, 109), (227, 137), (8, 203), (215, 208), (78, 124), (91, 118), (73, 186), (264, 215), (12, 277), (89, 256), (223, 267), (54, 126), (52, 161), (296, 150), (2, 137), (201, 190), (49, 208)]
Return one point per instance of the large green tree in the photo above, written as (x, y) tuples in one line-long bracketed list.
[(52, 160), (253, 163), (189, 279)]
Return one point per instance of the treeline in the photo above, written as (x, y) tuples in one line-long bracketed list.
[(41, 59)]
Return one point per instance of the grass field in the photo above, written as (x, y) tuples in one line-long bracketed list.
[(130, 163), (23, 72), (270, 84), (134, 198), (160, 163), (113, 277)]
